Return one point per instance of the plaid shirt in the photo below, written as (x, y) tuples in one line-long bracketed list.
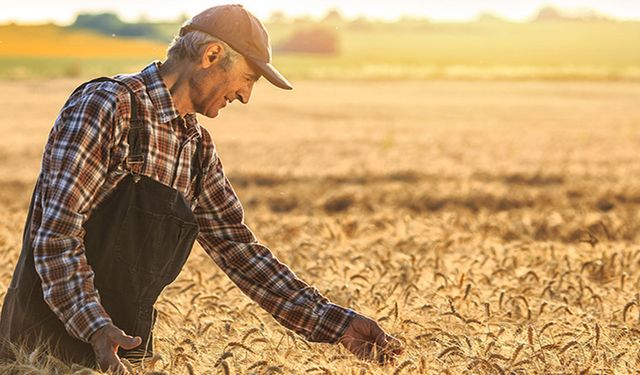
[(83, 162)]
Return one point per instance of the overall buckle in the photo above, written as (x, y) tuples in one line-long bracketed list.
[(134, 164)]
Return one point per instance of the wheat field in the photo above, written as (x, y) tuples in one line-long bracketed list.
[(491, 226)]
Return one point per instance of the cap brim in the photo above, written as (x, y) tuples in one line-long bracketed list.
[(272, 75)]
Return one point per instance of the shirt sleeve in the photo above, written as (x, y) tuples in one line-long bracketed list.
[(78, 154), (256, 271)]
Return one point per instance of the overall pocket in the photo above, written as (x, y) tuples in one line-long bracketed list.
[(152, 244)]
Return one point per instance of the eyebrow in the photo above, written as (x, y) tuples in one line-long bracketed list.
[(254, 77)]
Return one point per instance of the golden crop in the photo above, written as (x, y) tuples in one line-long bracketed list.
[(53, 41), (491, 226)]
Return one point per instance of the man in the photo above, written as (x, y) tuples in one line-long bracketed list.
[(129, 181)]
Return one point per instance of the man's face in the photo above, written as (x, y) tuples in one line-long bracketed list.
[(219, 82)]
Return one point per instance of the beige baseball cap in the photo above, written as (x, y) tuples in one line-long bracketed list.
[(243, 32)]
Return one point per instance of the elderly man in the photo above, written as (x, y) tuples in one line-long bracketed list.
[(129, 181)]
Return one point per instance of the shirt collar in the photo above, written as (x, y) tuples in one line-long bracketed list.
[(191, 122), (159, 93)]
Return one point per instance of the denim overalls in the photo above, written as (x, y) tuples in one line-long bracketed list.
[(137, 241)]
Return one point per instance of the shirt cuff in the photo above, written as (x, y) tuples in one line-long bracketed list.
[(84, 322), (332, 323)]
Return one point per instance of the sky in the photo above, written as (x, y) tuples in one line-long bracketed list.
[(64, 11)]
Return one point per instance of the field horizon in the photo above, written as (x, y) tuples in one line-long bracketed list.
[(408, 50)]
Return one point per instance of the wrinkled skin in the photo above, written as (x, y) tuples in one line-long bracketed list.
[(106, 341), (208, 85), (366, 340)]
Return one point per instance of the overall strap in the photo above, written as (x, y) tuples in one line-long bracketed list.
[(135, 159), (199, 171), (134, 99)]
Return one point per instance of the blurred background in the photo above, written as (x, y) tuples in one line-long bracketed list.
[(380, 39)]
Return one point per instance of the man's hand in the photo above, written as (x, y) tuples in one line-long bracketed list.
[(368, 341), (105, 342)]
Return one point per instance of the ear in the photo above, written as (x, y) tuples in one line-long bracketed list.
[(212, 55)]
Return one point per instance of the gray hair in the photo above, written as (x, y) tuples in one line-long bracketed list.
[(190, 47)]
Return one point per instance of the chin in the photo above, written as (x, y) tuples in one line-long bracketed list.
[(212, 113)]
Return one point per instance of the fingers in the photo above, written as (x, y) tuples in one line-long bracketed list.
[(376, 345), (127, 342), (389, 343), (357, 345), (370, 350), (395, 345), (105, 344), (381, 337), (368, 341), (390, 349), (386, 347), (109, 361)]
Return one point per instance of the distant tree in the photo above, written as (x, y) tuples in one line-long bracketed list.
[(318, 40), (549, 13), (593, 15), (139, 30), (107, 23), (110, 24), (333, 15)]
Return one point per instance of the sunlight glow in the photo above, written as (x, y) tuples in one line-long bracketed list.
[(64, 12)]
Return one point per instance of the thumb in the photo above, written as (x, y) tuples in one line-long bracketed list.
[(395, 345), (127, 342), (378, 335), (381, 341)]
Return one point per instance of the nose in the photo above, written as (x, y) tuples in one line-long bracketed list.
[(244, 94)]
